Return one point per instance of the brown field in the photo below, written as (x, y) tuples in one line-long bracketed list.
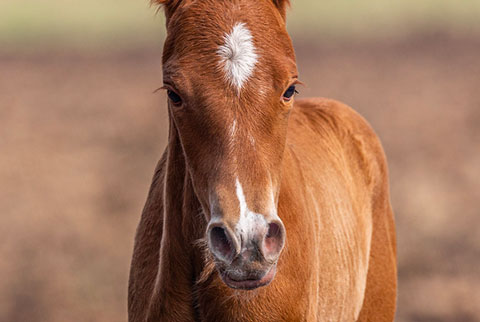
[(80, 135)]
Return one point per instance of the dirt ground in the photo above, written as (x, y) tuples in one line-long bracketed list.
[(80, 135)]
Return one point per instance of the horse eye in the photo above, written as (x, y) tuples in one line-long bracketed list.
[(176, 100), (287, 96)]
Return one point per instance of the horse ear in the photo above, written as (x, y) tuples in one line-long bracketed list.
[(282, 6), (168, 5)]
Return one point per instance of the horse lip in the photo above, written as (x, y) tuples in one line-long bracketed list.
[(250, 284)]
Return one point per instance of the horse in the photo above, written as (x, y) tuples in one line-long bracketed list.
[(263, 207)]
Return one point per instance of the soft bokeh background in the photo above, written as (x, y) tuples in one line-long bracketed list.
[(81, 131)]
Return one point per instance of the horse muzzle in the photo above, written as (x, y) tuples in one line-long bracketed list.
[(247, 260)]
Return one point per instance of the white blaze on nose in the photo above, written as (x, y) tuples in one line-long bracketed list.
[(238, 55), (233, 129), (241, 197), (249, 222)]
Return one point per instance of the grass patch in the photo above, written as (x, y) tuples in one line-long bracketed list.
[(80, 23), (380, 18), (93, 23)]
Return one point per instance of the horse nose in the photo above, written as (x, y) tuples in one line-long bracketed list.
[(261, 241), (222, 243), (274, 240), (264, 241)]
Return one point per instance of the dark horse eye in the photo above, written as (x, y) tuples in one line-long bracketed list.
[(176, 100), (289, 93)]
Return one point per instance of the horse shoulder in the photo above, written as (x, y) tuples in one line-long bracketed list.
[(337, 138), (358, 141)]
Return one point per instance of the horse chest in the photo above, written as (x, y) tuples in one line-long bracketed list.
[(242, 307)]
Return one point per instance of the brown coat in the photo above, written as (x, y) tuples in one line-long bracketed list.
[(339, 262)]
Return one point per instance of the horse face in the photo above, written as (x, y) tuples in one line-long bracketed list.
[(230, 75)]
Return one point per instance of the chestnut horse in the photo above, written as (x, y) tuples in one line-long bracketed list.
[(263, 207)]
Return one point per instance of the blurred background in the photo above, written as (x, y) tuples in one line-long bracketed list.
[(81, 132)]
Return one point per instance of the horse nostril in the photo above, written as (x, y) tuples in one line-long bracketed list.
[(273, 230), (274, 239), (221, 243)]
